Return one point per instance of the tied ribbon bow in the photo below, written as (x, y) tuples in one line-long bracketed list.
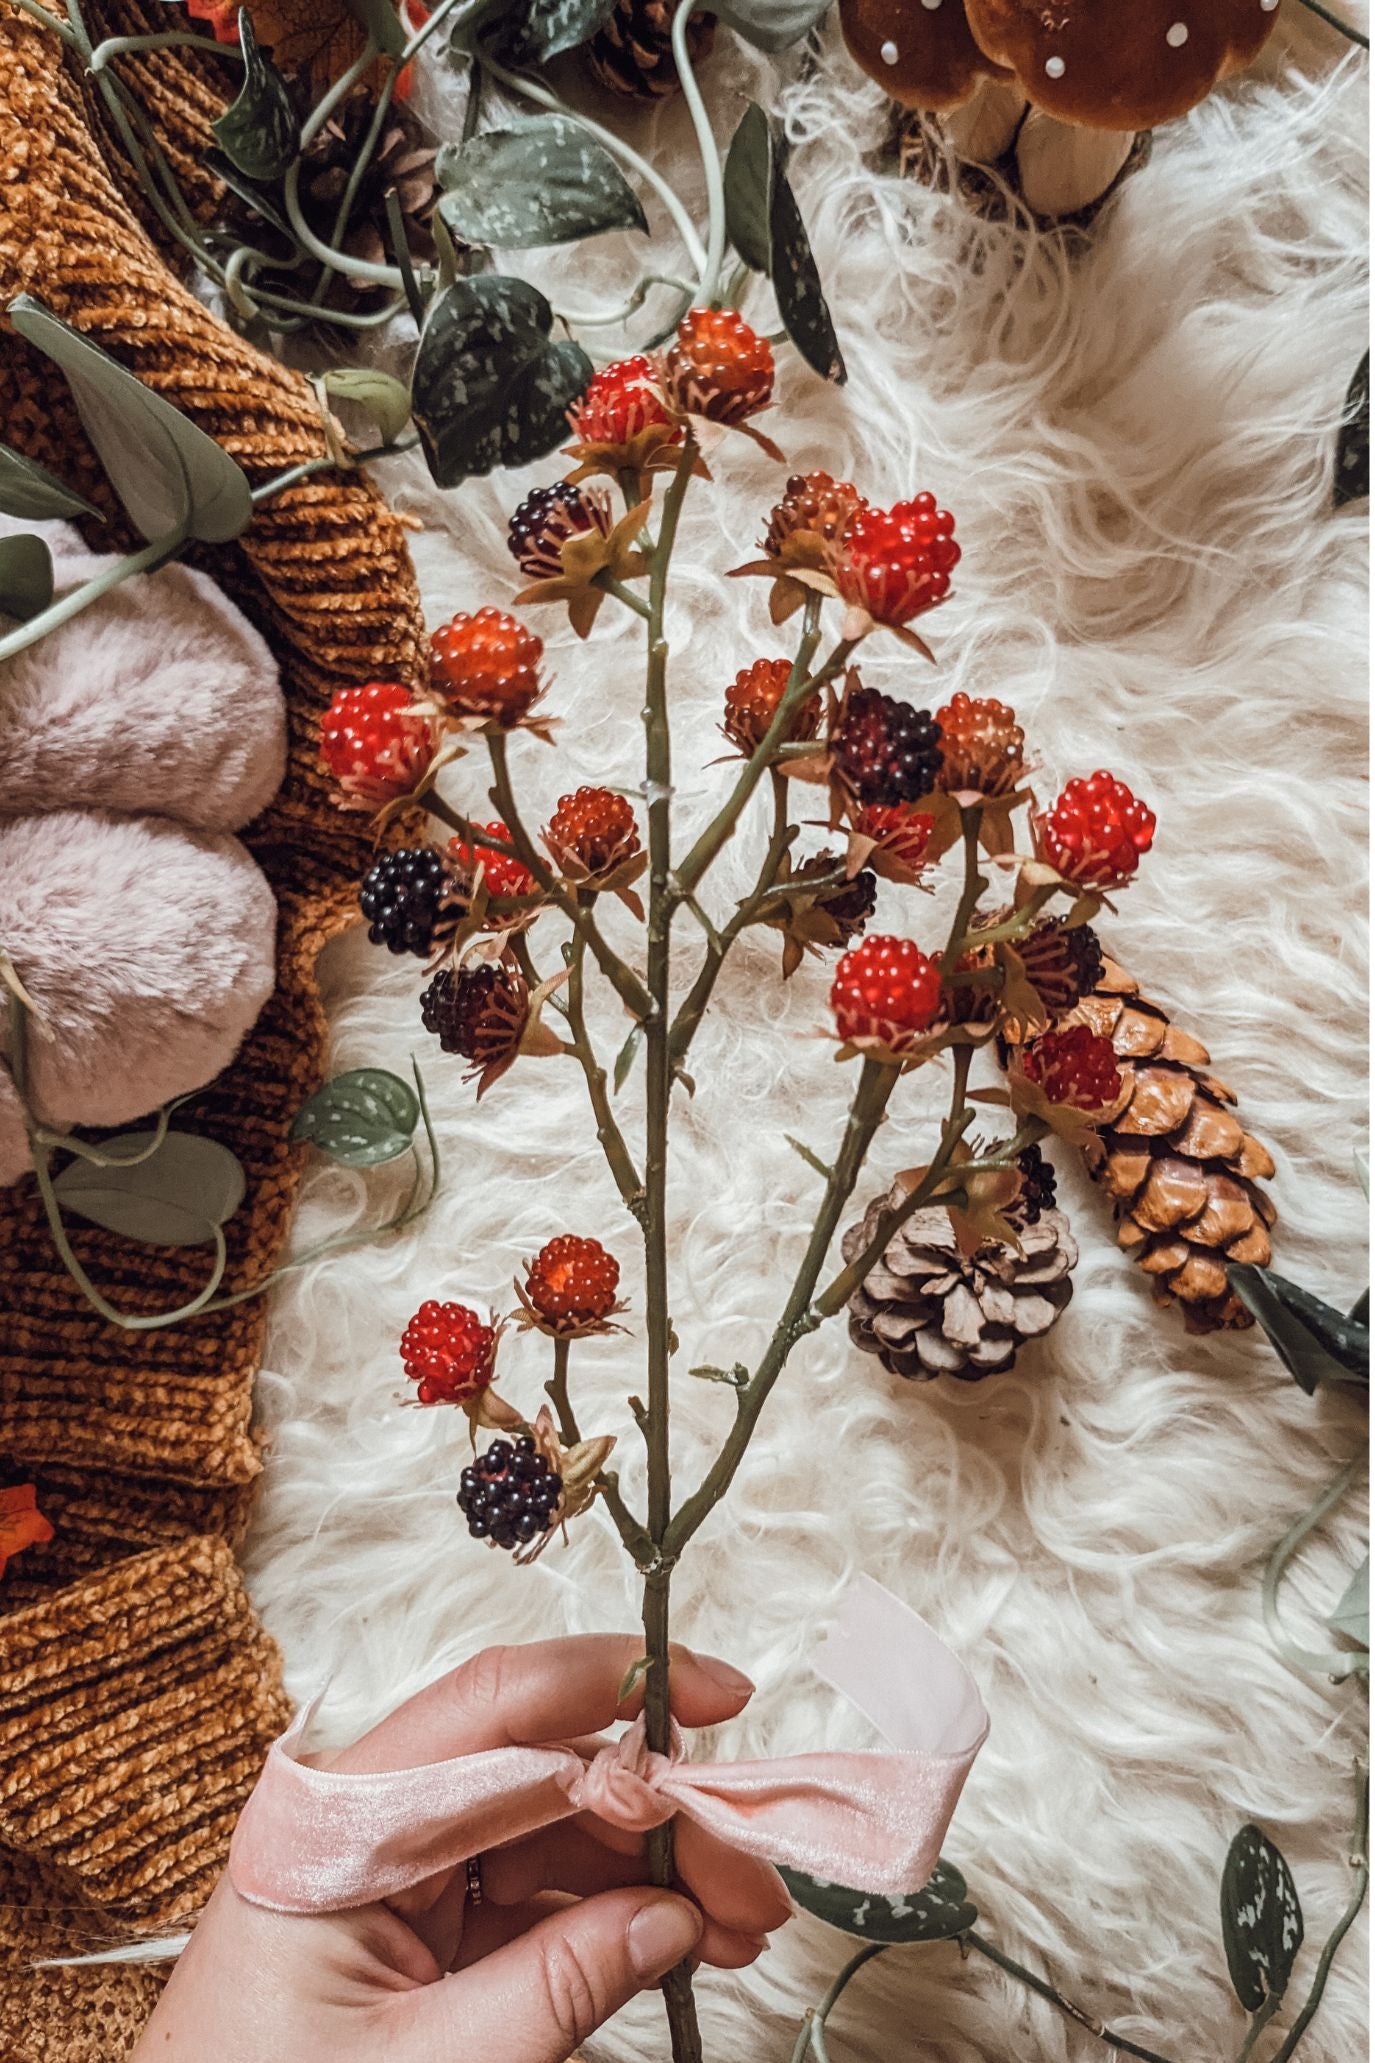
[(314, 1840)]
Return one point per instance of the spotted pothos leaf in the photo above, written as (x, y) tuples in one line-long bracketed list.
[(490, 387), (542, 28), (361, 1118), (1262, 1920), (766, 227), (771, 24), (258, 132), (543, 181), (938, 1912), (1316, 1342)]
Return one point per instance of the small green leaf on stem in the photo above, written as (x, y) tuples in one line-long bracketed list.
[(31, 492), (26, 576), (361, 1118), (1262, 1920), (174, 1197), (625, 1059), (258, 132), (633, 1678), (383, 396), (489, 387), (543, 181), (737, 1375)]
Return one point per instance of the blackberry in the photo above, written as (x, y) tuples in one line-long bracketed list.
[(1038, 1186), (401, 895), (478, 1012), (852, 904), (886, 751), (546, 519), (510, 1495)]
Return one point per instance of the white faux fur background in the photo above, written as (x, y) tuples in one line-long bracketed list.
[(1136, 440)]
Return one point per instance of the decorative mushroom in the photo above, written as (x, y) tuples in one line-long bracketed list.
[(1065, 87)]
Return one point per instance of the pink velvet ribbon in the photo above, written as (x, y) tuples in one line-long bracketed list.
[(314, 1840)]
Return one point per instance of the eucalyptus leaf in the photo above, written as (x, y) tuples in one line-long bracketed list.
[(543, 181), (771, 24), (382, 22), (1316, 1343), (361, 1118), (1262, 1921), (259, 131), (1352, 1616), (938, 1912), (31, 492), (749, 188), (172, 478), (385, 398), (542, 28), (26, 576), (489, 387), (173, 1198)]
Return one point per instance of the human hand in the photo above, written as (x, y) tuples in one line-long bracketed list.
[(567, 1931)]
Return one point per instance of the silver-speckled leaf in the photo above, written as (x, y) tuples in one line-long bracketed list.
[(173, 1198), (1262, 1921), (543, 28), (1316, 1342), (749, 187), (545, 181), (31, 492), (258, 132), (489, 388), (361, 1118), (940, 1910), (766, 227), (26, 576), (771, 24)]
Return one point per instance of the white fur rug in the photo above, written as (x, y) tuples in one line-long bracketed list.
[(1137, 446)]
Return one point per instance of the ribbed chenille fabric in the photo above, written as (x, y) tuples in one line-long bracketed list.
[(138, 1694)]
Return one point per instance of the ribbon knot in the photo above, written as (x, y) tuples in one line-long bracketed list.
[(314, 1840), (623, 1784)]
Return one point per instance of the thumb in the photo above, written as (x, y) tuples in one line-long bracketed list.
[(536, 1999)]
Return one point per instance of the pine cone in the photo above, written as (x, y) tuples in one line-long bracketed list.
[(1178, 1166), (632, 53), (926, 1309)]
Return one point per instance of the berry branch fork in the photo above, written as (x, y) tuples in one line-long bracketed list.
[(902, 788)]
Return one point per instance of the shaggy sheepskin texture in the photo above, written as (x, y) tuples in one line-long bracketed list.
[(1137, 439), (160, 697), (148, 952)]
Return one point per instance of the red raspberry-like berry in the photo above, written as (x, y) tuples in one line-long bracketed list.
[(1075, 1066), (485, 665), (718, 367), (594, 830), (981, 746), (373, 743), (813, 502), (897, 562), (900, 830), (752, 699), (547, 518), (1096, 832), (886, 989), (503, 873), (620, 402), (448, 1351), (572, 1282)]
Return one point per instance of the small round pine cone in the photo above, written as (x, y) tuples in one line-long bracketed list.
[(926, 1309)]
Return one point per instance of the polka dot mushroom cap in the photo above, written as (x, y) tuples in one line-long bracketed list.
[(1099, 64)]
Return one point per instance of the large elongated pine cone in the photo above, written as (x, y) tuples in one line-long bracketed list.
[(1180, 1168)]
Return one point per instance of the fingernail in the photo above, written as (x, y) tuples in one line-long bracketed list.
[(661, 1934), (733, 1680)]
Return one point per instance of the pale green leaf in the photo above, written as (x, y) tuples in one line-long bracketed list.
[(173, 1198), (171, 477), (31, 492), (385, 398), (1352, 1616)]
